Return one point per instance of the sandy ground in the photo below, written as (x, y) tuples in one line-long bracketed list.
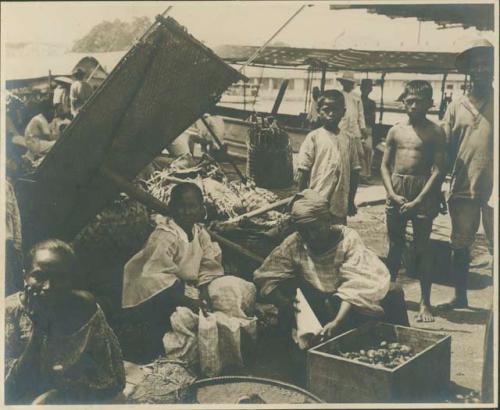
[(466, 326), (271, 358)]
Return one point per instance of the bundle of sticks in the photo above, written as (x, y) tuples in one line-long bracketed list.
[(265, 134)]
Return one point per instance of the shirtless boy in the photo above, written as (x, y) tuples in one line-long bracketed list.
[(412, 172)]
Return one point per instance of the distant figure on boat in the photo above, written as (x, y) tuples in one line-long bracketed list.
[(198, 133), (369, 108), (61, 100), (313, 115), (79, 92), (38, 137), (354, 118)]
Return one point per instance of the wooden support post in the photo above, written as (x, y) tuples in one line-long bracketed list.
[(279, 98), (323, 78), (442, 105), (381, 114)]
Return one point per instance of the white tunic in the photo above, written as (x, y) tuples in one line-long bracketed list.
[(167, 257)]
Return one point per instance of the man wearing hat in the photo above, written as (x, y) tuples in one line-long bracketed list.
[(354, 119), (80, 91), (468, 124), (62, 106)]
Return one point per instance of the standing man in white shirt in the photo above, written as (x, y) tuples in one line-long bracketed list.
[(354, 119)]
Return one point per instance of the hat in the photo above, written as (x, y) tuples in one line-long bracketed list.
[(78, 72), (347, 76), (65, 80), (479, 45)]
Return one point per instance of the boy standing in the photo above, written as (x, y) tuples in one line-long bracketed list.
[(328, 162), (412, 171)]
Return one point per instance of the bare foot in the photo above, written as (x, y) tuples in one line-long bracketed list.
[(425, 315), (454, 304)]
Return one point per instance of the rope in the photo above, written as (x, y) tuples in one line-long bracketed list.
[(261, 48), (258, 88)]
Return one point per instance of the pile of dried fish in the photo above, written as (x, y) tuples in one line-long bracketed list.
[(223, 199), (389, 355)]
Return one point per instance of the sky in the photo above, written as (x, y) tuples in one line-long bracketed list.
[(241, 23)]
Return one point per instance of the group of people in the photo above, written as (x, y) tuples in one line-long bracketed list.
[(60, 348), (52, 117), (418, 155)]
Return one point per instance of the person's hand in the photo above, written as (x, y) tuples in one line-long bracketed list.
[(205, 304), (352, 209), (329, 330), (409, 207), (398, 200), (49, 397)]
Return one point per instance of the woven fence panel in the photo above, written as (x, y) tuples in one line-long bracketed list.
[(157, 91)]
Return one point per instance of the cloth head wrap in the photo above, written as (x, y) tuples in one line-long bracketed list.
[(308, 206)]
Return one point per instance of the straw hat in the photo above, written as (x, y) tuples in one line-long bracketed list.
[(347, 76), (479, 45), (65, 80)]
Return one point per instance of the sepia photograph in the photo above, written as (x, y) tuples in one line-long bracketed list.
[(250, 204)]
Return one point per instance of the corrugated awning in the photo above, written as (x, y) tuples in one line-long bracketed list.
[(158, 89), (480, 16), (338, 60)]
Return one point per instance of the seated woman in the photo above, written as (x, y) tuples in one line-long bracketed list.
[(175, 268), (58, 345), (345, 283)]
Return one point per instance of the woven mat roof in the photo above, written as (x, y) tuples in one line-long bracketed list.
[(159, 88)]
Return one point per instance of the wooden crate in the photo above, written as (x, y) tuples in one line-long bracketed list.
[(423, 378)]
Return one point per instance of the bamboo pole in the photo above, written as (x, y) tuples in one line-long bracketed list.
[(262, 210), (235, 247)]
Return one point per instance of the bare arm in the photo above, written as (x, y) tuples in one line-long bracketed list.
[(331, 327), (353, 188), (302, 179), (385, 168), (438, 169)]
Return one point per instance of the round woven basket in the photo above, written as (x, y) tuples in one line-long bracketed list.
[(244, 390)]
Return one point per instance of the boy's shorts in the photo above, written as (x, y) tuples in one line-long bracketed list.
[(409, 187)]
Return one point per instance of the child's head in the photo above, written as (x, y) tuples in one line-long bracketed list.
[(52, 271), (186, 205), (331, 108), (417, 98)]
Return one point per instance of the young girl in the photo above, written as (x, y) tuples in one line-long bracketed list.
[(175, 268), (58, 345)]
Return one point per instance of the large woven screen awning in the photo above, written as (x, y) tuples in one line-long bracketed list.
[(349, 59), (480, 16), (159, 88)]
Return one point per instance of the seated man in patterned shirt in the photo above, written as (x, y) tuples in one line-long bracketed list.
[(345, 283)]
